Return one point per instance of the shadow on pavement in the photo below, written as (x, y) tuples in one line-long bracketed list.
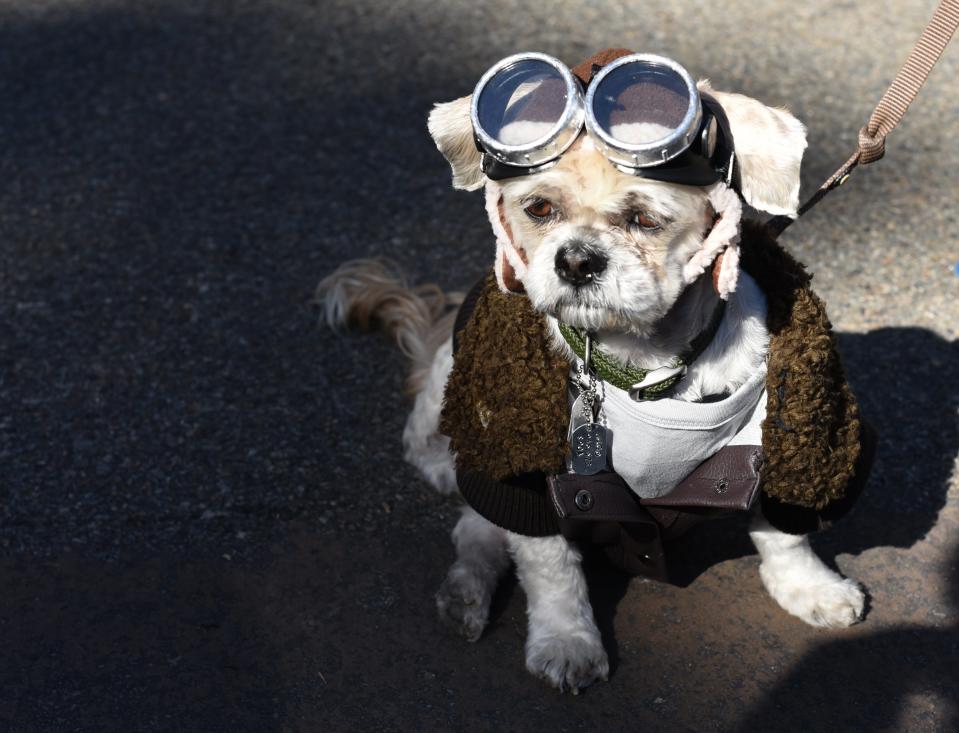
[(176, 177), (905, 666), (907, 383), (156, 646)]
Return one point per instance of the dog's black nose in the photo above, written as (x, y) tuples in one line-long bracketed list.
[(578, 264)]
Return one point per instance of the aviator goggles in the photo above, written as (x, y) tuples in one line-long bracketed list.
[(642, 111)]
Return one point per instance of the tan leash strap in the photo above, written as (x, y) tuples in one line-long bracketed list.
[(892, 106)]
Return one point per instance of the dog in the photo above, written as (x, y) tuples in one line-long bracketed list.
[(644, 290)]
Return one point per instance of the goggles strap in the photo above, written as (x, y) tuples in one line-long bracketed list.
[(723, 158), (496, 171)]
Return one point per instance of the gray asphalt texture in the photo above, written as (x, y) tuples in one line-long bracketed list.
[(205, 523)]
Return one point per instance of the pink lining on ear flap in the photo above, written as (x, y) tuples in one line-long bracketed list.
[(722, 238), (510, 267)]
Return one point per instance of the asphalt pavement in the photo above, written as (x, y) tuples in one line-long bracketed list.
[(205, 521)]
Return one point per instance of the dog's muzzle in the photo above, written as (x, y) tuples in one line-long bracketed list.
[(642, 111)]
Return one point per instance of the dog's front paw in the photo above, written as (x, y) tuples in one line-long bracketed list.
[(463, 601), (569, 661), (834, 603)]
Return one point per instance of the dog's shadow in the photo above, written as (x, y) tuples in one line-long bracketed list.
[(906, 382)]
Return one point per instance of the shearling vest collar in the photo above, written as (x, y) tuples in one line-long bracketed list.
[(507, 416)]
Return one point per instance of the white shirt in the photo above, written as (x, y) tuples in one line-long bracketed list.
[(655, 445)]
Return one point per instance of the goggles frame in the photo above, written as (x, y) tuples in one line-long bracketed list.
[(546, 148), (699, 151)]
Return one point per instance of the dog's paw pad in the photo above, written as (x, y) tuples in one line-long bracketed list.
[(462, 603), (568, 662)]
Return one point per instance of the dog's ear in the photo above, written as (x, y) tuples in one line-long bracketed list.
[(452, 131), (769, 148)]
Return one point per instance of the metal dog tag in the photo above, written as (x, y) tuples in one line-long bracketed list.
[(577, 417), (588, 444), (588, 440)]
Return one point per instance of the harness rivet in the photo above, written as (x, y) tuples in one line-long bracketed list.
[(583, 500)]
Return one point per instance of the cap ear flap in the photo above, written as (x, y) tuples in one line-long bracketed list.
[(769, 147), (452, 131), (510, 265)]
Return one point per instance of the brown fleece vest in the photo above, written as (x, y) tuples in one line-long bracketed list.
[(506, 413)]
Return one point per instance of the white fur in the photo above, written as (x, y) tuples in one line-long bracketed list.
[(464, 598), (769, 147), (801, 583), (645, 271), (423, 445), (449, 125), (653, 296), (563, 645), (504, 244)]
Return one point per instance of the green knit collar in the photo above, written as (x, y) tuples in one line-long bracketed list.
[(645, 384)]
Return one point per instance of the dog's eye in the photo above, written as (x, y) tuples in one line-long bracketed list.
[(539, 208), (644, 221)]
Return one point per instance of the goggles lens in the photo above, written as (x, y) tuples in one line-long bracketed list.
[(642, 111), (641, 103), (523, 103)]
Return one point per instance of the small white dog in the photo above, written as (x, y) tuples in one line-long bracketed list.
[(619, 256)]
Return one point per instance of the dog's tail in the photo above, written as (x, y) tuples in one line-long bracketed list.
[(373, 294)]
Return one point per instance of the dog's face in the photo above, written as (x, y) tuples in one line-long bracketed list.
[(605, 250)]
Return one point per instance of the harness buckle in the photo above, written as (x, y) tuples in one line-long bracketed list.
[(655, 378)]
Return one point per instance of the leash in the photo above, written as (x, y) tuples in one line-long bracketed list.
[(892, 106)]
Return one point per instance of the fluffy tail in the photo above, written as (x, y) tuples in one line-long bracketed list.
[(372, 294)]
